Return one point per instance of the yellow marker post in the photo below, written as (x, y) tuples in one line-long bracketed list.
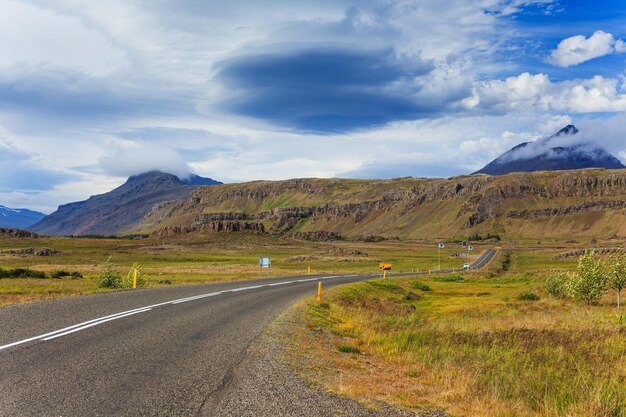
[(135, 278), (319, 292), (309, 271)]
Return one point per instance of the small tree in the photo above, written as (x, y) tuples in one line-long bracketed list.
[(588, 283), (109, 277), (617, 275), (556, 283)]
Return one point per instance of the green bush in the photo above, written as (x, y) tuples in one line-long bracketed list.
[(62, 274), (617, 275), (348, 349), (59, 274), (527, 296), (164, 281), (420, 286), (589, 281), (449, 278), (141, 278), (109, 277), (21, 273), (556, 283)]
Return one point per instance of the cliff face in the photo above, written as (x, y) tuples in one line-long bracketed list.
[(543, 204)]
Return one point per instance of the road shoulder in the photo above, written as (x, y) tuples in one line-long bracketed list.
[(266, 383)]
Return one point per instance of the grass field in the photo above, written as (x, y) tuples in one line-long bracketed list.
[(470, 345), (464, 343), (220, 258)]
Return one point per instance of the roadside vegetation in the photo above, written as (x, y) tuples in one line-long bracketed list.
[(219, 258), (532, 340)]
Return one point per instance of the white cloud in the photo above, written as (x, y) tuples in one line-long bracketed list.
[(139, 86), (54, 40), (537, 92), (132, 158), (578, 49)]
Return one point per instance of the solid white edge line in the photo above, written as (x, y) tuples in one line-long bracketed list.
[(41, 336), (94, 322)]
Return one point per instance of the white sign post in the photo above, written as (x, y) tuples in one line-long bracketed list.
[(441, 246), (265, 263), (468, 264)]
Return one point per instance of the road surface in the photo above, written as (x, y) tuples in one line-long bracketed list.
[(152, 352)]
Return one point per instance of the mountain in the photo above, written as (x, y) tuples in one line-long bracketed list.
[(549, 204), (119, 210), (550, 154), (18, 218)]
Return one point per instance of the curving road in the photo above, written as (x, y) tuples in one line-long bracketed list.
[(166, 351)]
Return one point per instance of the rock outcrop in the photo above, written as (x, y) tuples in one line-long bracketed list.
[(12, 232)]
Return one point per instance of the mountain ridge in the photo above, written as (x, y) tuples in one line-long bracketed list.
[(19, 218), (578, 203), (120, 209)]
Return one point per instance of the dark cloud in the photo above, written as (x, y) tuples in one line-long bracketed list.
[(57, 97), (325, 89)]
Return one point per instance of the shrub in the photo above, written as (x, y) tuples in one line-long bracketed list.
[(348, 349), (59, 274), (164, 281), (449, 278), (420, 286), (63, 274), (589, 281), (556, 283), (21, 273), (617, 275), (109, 277), (141, 278), (527, 296)]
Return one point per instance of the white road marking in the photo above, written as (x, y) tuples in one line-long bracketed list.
[(94, 322)]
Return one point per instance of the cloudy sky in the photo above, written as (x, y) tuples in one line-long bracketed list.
[(92, 92)]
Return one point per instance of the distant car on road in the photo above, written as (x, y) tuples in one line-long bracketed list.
[(466, 266)]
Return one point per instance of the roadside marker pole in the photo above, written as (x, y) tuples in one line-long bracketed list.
[(309, 271), (319, 292), (135, 278)]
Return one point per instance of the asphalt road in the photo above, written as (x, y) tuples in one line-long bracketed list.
[(149, 352)]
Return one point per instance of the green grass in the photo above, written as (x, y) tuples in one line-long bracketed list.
[(497, 345), (227, 257)]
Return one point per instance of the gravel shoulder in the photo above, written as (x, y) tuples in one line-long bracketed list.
[(267, 383)]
